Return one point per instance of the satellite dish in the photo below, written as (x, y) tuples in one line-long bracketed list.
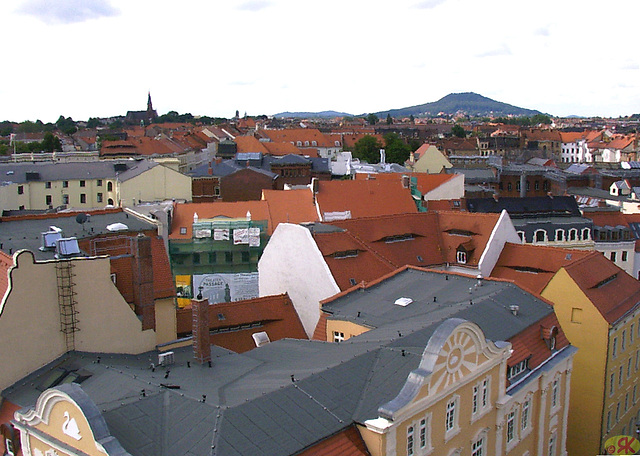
[(81, 218)]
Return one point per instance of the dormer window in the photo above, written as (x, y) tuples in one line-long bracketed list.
[(345, 254), (461, 257), (306, 143), (299, 143), (314, 143)]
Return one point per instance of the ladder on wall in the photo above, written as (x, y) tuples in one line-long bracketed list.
[(67, 302)]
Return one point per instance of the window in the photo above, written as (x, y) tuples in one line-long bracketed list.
[(521, 235), (613, 256), (554, 393), (511, 419), (450, 418), (631, 333), (518, 186), (109, 186), (65, 199), (576, 315), (518, 368), (552, 445), (585, 234), (461, 257), (410, 441), (228, 257), (509, 186), (99, 182), (536, 185), (245, 257), (212, 257), (540, 236), (65, 184), (617, 412), (626, 403), (83, 183), (635, 397), (612, 384), (424, 438), (9, 447), (338, 336), (477, 447), (637, 360), (623, 341), (474, 400), (99, 197), (20, 189), (620, 376), (47, 185), (559, 235), (573, 234), (609, 420), (614, 351), (524, 418), (183, 230), (48, 200), (485, 393), (624, 255), (196, 258), (216, 190), (629, 368), (83, 198)]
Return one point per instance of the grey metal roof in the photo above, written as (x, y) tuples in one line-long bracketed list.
[(287, 395), (50, 171), (25, 233), (526, 207)]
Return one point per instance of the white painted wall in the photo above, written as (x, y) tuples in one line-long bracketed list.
[(292, 263), (502, 233), (452, 189)]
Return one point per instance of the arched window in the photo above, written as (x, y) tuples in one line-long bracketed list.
[(109, 186), (586, 234), (540, 236), (559, 235)]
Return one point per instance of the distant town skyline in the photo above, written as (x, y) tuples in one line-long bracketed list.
[(100, 58)]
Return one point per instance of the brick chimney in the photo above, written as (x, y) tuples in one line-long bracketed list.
[(210, 170), (200, 329), (143, 281)]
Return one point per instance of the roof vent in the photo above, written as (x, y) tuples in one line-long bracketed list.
[(166, 359), (514, 308), (66, 247), (404, 302), (117, 227), (50, 237), (260, 338)]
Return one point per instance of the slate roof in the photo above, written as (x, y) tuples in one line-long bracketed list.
[(53, 171), (24, 232), (288, 395), (525, 207)]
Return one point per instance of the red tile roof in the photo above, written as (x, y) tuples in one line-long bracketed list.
[(533, 266), (365, 198), (275, 315), (348, 442), (425, 182), (290, 206), (300, 134), (6, 262), (247, 144), (163, 284), (611, 290)]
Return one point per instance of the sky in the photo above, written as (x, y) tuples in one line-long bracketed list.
[(100, 58)]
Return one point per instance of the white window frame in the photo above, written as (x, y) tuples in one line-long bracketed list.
[(586, 234), (411, 441), (338, 336), (525, 417), (461, 257), (560, 235), (452, 418), (511, 430), (573, 234), (535, 237)]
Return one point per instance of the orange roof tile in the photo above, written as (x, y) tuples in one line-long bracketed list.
[(348, 442), (365, 198), (163, 284), (424, 181), (533, 266), (6, 262), (276, 314), (183, 214), (290, 206), (611, 290), (247, 144), (303, 135)]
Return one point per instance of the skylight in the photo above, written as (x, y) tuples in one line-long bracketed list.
[(404, 302)]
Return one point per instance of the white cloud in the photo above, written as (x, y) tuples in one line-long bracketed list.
[(254, 5), (429, 4), (68, 11)]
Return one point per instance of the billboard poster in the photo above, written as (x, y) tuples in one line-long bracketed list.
[(226, 287)]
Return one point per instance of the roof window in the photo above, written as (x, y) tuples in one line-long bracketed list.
[(404, 302)]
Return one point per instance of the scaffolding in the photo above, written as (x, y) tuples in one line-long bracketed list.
[(67, 302)]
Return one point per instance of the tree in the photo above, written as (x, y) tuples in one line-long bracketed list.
[(66, 125), (93, 122), (389, 119), (6, 128), (412, 119), (372, 119), (396, 150), (51, 143), (458, 131), (367, 149)]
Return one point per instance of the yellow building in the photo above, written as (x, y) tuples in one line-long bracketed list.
[(469, 395), (86, 185), (598, 307)]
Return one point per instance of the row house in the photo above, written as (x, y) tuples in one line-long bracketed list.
[(598, 307), (87, 185), (327, 146), (439, 379)]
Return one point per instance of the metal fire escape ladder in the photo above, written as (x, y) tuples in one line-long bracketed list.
[(67, 302)]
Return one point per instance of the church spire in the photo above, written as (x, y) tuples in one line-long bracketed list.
[(149, 105)]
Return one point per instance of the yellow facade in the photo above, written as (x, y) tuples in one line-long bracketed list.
[(461, 405), (77, 193), (597, 409)]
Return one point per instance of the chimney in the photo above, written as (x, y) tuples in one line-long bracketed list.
[(382, 157), (314, 188), (200, 329), (143, 282), (218, 160), (210, 170)]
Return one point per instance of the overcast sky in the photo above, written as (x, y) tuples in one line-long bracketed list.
[(99, 58)]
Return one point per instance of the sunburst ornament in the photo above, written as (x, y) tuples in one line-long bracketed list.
[(458, 358)]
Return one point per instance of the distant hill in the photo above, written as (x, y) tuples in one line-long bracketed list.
[(308, 115), (468, 102)]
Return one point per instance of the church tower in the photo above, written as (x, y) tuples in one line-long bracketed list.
[(151, 113)]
